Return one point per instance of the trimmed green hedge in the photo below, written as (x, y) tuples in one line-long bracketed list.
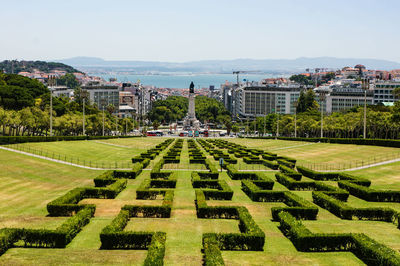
[(251, 237), (340, 209), (285, 163), (370, 194), (113, 237), (332, 176), (8, 236), (61, 236), (212, 253), (271, 164), (365, 248), (297, 206), (240, 175), (292, 184), (212, 188), (290, 172)]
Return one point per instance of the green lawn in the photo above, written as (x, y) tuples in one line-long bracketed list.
[(92, 151), (385, 176), (28, 184), (325, 154)]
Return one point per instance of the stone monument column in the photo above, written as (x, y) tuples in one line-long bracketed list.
[(191, 121), (192, 109)]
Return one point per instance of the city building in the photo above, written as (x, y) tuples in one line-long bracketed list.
[(341, 99), (253, 101), (103, 95), (383, 91), (62, 91)]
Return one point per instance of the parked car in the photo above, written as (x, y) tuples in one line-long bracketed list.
[(151, 134), (183, 134)]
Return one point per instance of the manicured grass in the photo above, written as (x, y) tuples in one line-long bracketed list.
[(338, 155), (385, 176), (30, 183), (96, 151)]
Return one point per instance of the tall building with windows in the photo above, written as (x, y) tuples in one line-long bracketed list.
[(383, 91), (342, 99), (99, 94), (253, 101)]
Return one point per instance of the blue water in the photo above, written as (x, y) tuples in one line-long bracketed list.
[(183, 80)]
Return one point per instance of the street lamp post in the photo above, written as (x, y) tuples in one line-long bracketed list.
[(83, 95), (365, 108), (322, 98), (277, 117), (103, 103), (116, 125), (295, 118), (52, 80), (51, 112)]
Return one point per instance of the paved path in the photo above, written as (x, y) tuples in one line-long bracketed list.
[(59, 161), (365, 166)]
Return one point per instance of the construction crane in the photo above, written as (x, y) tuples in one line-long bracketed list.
[(243, 71)]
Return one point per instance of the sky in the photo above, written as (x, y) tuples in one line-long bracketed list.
[(180, 31)]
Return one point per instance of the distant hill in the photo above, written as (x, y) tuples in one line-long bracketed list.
[(221, 66), (14, 66)]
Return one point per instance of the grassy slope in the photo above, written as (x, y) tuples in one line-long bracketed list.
[(183, 229), (320, 152), (96, 150)]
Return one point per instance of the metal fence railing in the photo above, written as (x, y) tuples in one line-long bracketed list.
[(127, 164), (351, 164)]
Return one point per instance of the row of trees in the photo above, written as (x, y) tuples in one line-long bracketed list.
[(382, 122), (33, 121), (25, 110)]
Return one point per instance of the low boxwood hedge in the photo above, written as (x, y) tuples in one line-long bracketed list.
[(370, 194), (365, 248)]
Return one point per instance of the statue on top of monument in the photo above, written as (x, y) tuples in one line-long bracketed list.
[(191, 87)]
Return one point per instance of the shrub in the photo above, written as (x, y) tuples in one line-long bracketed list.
[(212, 253), (332, 176), (290, 172), (8, 236), (344, 211), (285, 163), (156, 250), (271, 164), (369, 194), (367, 249), (60, 237)]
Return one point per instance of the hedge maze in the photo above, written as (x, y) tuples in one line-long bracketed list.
[(166, 197), (324, 194)]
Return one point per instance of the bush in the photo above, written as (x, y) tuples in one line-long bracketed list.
[(290, 172), (271, 164), (332, 176), (8, 236), (367, 249), (369, 194), (212, 253), (343, 211), (156, 250), (285, 163), (60, 237)]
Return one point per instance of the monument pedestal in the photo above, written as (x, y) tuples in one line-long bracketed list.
[(190, 122)]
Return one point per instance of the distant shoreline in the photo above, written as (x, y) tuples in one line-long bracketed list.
[(182, 80)]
